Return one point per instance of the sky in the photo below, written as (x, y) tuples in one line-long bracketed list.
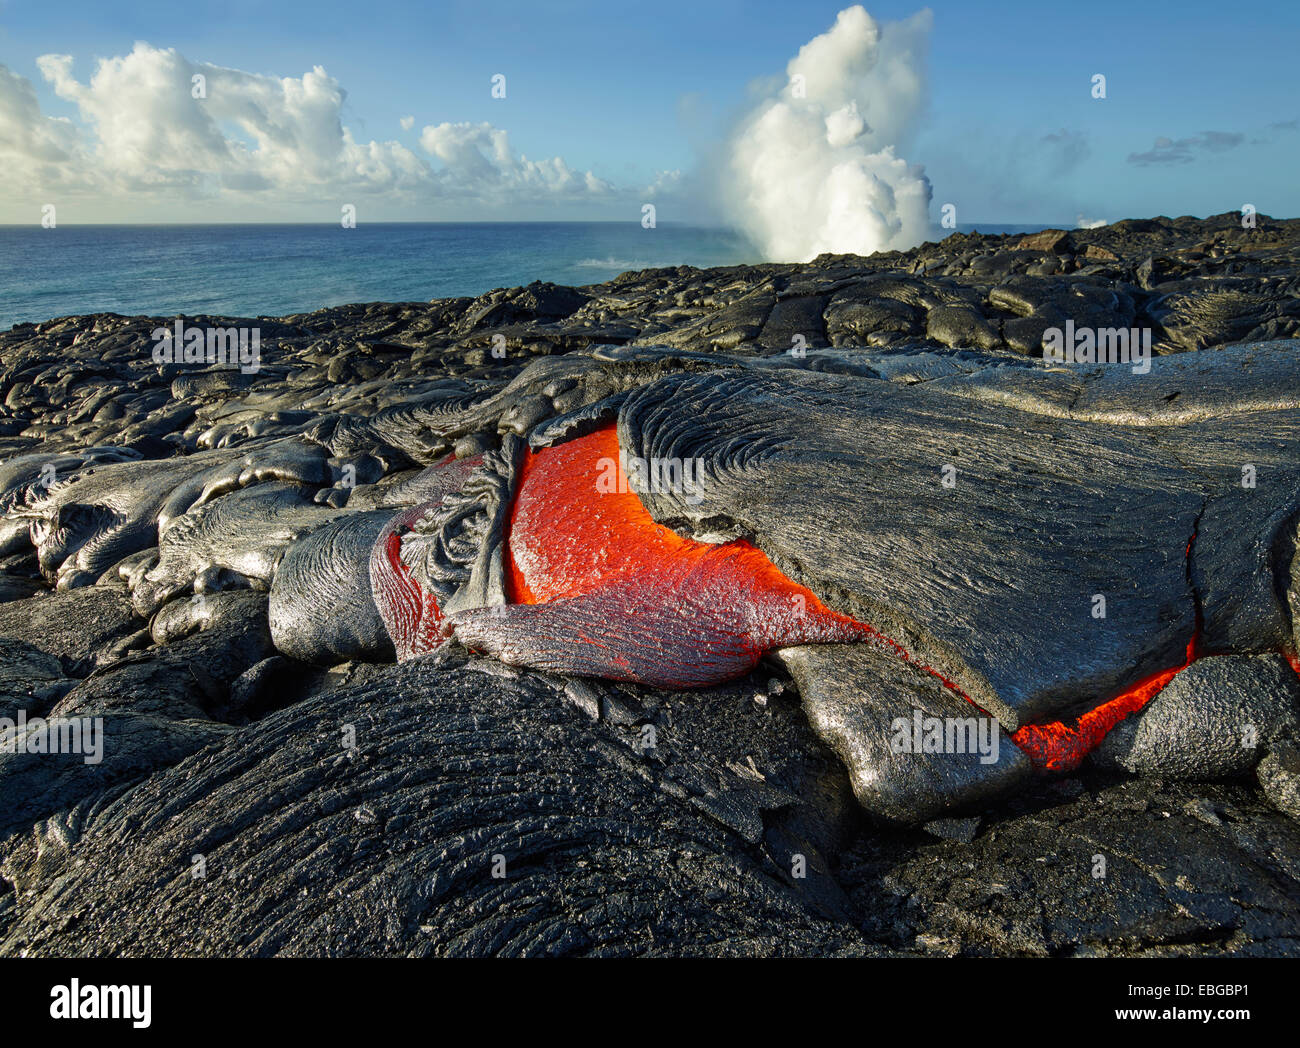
[(690, 106)]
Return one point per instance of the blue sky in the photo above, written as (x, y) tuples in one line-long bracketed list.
[(630, 90)]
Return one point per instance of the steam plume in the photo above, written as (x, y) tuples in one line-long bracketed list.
[(813, 167)]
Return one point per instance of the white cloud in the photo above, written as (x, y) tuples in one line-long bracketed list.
[(149, 127), (33, 148), (665, 183), (813, 167), (244, 130), (478, 158)]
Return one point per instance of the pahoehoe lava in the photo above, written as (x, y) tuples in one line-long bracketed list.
[(593, 586), (643, 606)]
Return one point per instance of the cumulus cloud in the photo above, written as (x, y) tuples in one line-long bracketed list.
[(478, 158), (666, 184), (157, 120), (814, 167), (407, 122), (153, 121), (33, 147)]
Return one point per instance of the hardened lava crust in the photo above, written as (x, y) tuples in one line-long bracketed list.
[(766, 610)]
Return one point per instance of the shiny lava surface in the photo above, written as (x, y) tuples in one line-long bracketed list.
[(570, 539)]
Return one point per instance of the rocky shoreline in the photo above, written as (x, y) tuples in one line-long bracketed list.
[(185, 555)]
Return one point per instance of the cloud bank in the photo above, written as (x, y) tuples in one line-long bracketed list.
[(153, 122), (813, 166)]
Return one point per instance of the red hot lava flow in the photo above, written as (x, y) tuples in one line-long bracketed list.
[(568, 538)]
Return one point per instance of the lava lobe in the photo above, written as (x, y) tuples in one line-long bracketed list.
[(572, 539)]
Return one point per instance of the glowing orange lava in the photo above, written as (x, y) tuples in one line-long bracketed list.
[(568, 538), (576, 529), (1060, 747)]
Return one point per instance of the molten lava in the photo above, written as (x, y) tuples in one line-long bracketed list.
[(568, 539), (1060, 747)]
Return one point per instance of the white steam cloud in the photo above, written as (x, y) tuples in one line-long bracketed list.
[(813, 168)]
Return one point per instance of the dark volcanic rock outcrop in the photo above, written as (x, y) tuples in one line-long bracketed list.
[(188, 558), (442, 811)]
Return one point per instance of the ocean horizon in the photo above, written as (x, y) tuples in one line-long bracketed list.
[(278, 269)]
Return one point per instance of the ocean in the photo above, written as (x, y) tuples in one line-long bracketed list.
[(271, 270)]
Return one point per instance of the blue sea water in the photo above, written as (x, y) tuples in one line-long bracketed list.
[(271, 270)]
